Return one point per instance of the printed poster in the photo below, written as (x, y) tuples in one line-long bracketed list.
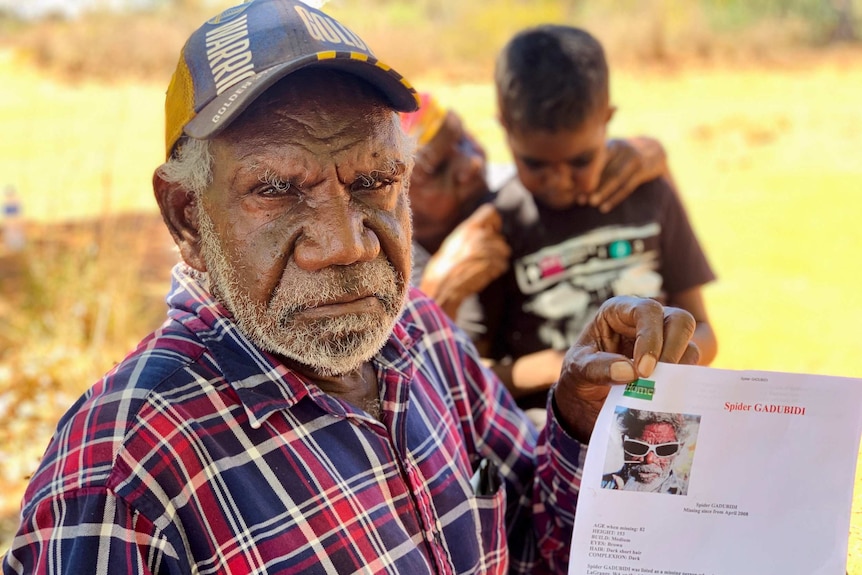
[(702, 471)]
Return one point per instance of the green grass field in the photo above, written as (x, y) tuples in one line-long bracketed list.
[(767, 160)]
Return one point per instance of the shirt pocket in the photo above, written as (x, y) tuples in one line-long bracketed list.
[(491, 528)]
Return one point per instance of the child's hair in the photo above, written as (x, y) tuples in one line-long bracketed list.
[(550, 78)]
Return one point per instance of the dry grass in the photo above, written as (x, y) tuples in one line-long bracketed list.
[(766, 156)]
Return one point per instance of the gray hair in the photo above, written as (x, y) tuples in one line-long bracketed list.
[(190, 166), (633, 421)]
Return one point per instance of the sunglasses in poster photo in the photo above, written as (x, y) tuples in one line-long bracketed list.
[(637, 448)]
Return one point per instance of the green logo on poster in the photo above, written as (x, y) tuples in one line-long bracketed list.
[(640, 389)]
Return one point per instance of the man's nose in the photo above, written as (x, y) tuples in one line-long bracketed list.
[(335, 235), (650, 457)]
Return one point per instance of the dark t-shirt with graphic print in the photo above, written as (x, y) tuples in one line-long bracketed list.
[(565, 263)]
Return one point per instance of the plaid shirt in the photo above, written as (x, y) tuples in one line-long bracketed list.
[(199, 453)]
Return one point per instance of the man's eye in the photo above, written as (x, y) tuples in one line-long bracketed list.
[(272, 185), (273, 191), (279, 190), (367, 183)]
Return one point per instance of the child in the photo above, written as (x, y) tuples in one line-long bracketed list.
[(567, 256), (457, 245)]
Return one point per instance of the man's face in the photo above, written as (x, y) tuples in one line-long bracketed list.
[(447, 182), (305, 229), (559, 167), (650, 469)]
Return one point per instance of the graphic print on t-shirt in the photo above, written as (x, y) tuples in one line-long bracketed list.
[(564, 284)]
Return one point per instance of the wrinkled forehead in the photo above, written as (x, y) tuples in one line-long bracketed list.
[(658, 432), (319, 103)]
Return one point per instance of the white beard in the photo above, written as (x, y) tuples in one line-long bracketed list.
[(331, 345), (632, 483)]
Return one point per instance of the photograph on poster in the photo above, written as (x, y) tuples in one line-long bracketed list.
[(650, 451)]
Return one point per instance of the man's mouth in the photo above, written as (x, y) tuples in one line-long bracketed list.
[(647, 473), (342, 305)]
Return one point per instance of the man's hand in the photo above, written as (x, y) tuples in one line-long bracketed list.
[(630, 163), (471, 257), (623, 342)]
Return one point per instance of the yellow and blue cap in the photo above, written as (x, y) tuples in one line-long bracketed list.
[(236, 56)]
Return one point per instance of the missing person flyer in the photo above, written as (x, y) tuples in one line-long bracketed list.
[(702, 471)]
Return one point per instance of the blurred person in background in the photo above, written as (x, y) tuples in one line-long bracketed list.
[(458, 243), (303, 409), (569, 253)]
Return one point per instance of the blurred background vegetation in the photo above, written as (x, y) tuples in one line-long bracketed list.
[(771, 182), (121, 39)]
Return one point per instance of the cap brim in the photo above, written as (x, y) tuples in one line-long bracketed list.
[(218, 114)]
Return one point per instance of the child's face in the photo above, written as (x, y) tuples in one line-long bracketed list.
[(560, 167)]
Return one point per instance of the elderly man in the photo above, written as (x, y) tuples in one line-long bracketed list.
[(302, 410), (651, 442)]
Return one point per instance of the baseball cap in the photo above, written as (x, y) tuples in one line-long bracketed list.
[(236, 56)]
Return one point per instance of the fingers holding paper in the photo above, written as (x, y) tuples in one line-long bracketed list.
[(622, 343)]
